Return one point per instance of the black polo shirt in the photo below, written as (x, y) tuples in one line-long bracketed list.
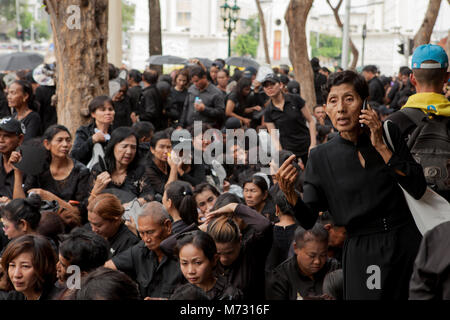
[(157, 280), (294, 134)]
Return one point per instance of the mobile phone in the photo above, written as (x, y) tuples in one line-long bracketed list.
[(364, 107)]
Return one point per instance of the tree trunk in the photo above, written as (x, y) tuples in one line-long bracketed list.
[(423, 35), (355, 52), (296, 15), (80, 33), (155, 38), (262, 21)]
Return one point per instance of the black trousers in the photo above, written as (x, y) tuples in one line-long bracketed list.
[(379, 265)]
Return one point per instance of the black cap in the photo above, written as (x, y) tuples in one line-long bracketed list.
[(12, 125), (271, 77), (293, 87)]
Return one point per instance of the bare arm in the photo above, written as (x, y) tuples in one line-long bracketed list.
[(273, 134)]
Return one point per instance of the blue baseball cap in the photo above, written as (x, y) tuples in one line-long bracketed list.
[(428, 52)]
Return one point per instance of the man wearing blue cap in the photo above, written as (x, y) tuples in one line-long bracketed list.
[(429, 66), (424, 119)]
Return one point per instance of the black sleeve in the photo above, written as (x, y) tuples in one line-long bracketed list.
[(277, 286), (33, 126), (124, 261), (408, 173), (82, 146), (144, 185), (267, 116), (155, 181), (196, 176), (30, 182), (183, 118), (151, 111), (218, 109)]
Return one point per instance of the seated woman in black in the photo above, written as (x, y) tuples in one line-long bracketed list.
[(64, 179), (241, 103), (122, 168), (102, 112), (161, 169), (256, 196), (21, 98)]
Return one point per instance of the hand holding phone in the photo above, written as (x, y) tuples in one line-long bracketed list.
[(364, 107)]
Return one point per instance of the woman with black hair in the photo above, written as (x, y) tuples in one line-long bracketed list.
[(161, 168), (99, 130), (64, 179), (122, 167), (357, 177), (242, 104), (21, 216), (205, 195), (21, 98), (178, 199), (256, 196), (283, 232)]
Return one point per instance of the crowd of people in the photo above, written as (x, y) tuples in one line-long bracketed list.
[(118, 208)]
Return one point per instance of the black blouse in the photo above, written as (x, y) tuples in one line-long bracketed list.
[(336, 181), (83, 144), (136, 182), (122, 240), (32, 123)]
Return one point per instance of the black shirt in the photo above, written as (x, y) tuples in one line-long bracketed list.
[(282, 240), (294, 134), (240, 105), (157, 178), (121, 241), (47, 112), (136, 182), (134, 93), (376, 90), (83, 144), (32, 124), (155, 279), (122, 110), (336, 181), (247, 271), (287, 282), (176, 102), (6, 181), (152, 108)]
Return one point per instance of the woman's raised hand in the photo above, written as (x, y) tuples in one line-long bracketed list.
[(101, 182), (286, 177), (229, 208), (369, 117)]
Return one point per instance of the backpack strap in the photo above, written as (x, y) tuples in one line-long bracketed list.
[(414, 114)]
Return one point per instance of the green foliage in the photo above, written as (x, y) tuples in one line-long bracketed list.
[(329, 46), (128, 10), (247, 43), (41, 28), (7, 9)]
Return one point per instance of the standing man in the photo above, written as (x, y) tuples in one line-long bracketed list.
[(376, 88), (289, 114), (151, 104), (204, 102), (134, 92)]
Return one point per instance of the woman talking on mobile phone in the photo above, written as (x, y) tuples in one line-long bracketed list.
[(356, 177)]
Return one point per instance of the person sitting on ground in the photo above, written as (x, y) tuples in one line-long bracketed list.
[(241, 258), (302, 276), (21, 216), (197, 253), (156, 273), (241, 103), (64, 179), (21, 98), (84, 249), (283, 232), (106, 284), (256, 196), (30, 263), (336, 236), (99, 130), (122, 170), (178, 199), (205, 195), (105, 219)]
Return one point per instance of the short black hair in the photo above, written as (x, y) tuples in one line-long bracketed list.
[(84, 248), (350, 77), (27, 209), (135, 75), (99, 102), (112, 71), (189, 291), (143, 129), (150, 76), (197, 71), (406, 71), (316, 233), (107, 284), (370, 68)]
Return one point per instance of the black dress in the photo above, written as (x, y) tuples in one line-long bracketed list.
[(32, 123), (382, 238)]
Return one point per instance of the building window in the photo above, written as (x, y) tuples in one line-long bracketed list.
[(184, 8)]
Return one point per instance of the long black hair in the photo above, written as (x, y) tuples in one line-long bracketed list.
[(182, 197), (27, 89), (241, 85), (117, 136), (27, 209)]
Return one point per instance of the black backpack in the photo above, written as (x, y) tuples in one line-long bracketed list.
[(429, 144)]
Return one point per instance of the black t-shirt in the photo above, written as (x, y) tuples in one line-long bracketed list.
[(32, 124), (122, 113), (240, 106), (135, 95), (376, 90), (46, 111), (294, 134)]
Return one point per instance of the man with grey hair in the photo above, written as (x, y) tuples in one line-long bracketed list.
[(156, 273)]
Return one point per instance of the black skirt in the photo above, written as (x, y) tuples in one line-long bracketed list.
[(378, 264)]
